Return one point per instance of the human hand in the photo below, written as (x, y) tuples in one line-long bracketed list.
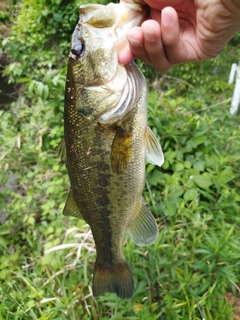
[(189, 30)]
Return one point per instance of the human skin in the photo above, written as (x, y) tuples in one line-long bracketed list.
[(182, 31)]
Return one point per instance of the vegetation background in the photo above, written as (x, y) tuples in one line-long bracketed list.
[(46, 260)]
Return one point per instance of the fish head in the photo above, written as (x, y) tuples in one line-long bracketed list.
[(98, 37)]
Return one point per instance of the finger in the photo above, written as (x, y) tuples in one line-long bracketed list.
[(145, 44), (180, 45), (125, 56), (154, 53), (135, 39)]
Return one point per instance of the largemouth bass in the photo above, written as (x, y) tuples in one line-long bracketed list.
[(106, 141)]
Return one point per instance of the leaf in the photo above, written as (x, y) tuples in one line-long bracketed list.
[(195, 141), (169, 209), (178, 167), (224, 176), (170, 156), (138, 306), (155, 178), (202, 181), (176, 192), (31, 86), (57, 17), (187, 164), (45, 92), (190, 194), (40, 88), (199, 165)]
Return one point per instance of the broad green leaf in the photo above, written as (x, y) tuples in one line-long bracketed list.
[(195, 141), (170, 156), (203, 181), (187, 164), (178, 167), (199, 165), (190, 194), (155, 178)]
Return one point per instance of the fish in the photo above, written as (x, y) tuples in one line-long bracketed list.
[(107, 141)]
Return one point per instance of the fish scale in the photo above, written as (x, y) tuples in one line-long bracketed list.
[(106, 141)]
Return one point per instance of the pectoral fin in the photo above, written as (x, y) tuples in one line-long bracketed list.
[(71, 208), (154, 152), (121, 150), (62, 151), (144, 229)]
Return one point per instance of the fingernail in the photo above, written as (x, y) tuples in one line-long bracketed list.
[(166, 18), (149, 34), (134, 42)]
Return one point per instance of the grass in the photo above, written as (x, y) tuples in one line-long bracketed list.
[(187, 271), (192, 271), (187, 274)]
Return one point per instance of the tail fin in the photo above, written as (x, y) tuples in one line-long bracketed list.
[(115, 278)]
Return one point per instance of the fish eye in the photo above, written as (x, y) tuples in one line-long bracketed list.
[(77, 48)]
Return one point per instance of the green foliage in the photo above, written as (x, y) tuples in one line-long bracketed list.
[(200, 201), (195, 196), (4, 17), (235, 41)]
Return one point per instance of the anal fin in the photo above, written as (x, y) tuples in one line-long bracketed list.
[(143, 230), (154, 152), (71, 209)]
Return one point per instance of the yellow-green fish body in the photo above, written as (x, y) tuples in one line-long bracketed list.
[(107, 140)]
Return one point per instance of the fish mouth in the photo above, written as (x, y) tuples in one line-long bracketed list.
[(111, 23)]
